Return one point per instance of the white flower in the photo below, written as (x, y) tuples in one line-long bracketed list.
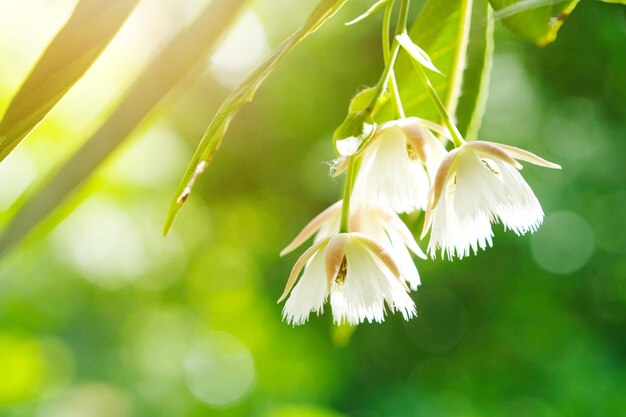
[(359, 275), (383, 226), (478, 184), (398, 164)]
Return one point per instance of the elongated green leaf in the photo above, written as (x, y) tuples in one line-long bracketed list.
[(237, 98), (537, 21), (457, 35), (175, 61), (416, 52), (474, 89), (74, 49), (375, 8)]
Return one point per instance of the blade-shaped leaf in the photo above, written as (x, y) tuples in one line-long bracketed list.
[(375, 8), (70, 54), (474, 89), (457, 35), (171, 66), (214, 134), (537, 21), (416, 52)]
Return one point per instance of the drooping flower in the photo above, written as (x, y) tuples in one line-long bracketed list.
[(478, 184), (398, 165), (358, 274), (383, 226)]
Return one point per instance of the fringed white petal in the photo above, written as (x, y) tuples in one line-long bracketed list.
[(389, 178), (454, 236), (483, 188), (309, 294), (436, 153), (390, 231), (520, 210), (494, 188), (367, 287), (403, 257)]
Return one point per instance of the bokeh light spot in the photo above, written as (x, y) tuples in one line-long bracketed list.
[(21, 368), (563, 244), (20, 168), (219, 369), (102, 240), (88, 400), (240, 52), (569, 124)]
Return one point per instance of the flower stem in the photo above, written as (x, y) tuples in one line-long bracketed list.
[(347, 195), (393, 85), (390, 56), (447, 120), (386, 30), (393, 55)]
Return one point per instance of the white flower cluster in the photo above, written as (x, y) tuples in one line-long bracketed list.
[(405, 168)]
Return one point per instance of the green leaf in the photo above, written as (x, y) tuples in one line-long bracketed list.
[(214, 134), (457, 35), (615, 1), (70, 54), (474, 89), (416, 52), (537, 21), (355, 130), (184, 53), (362, 99), (376, 7)]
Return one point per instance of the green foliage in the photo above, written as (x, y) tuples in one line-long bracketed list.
[(214, 134), (375, 8), (363, 98), (70, 54), (356, 129), (474, 89), (416, 53), (457, 36), (167, 69), (537, 21), (99, 318)]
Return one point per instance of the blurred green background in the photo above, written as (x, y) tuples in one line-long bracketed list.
[(102, 317)]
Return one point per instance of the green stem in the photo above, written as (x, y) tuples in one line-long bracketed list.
[(395, 49), (386, 30), (347, 195), (395, 94), (447, 120), (390, 61)]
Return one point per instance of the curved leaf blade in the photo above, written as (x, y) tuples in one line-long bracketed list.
[(442, 29), (375, 8), (537, 21), (89, 30), (474, 89), (244, 93), (417, 53), (188, 49), (458, 37)]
